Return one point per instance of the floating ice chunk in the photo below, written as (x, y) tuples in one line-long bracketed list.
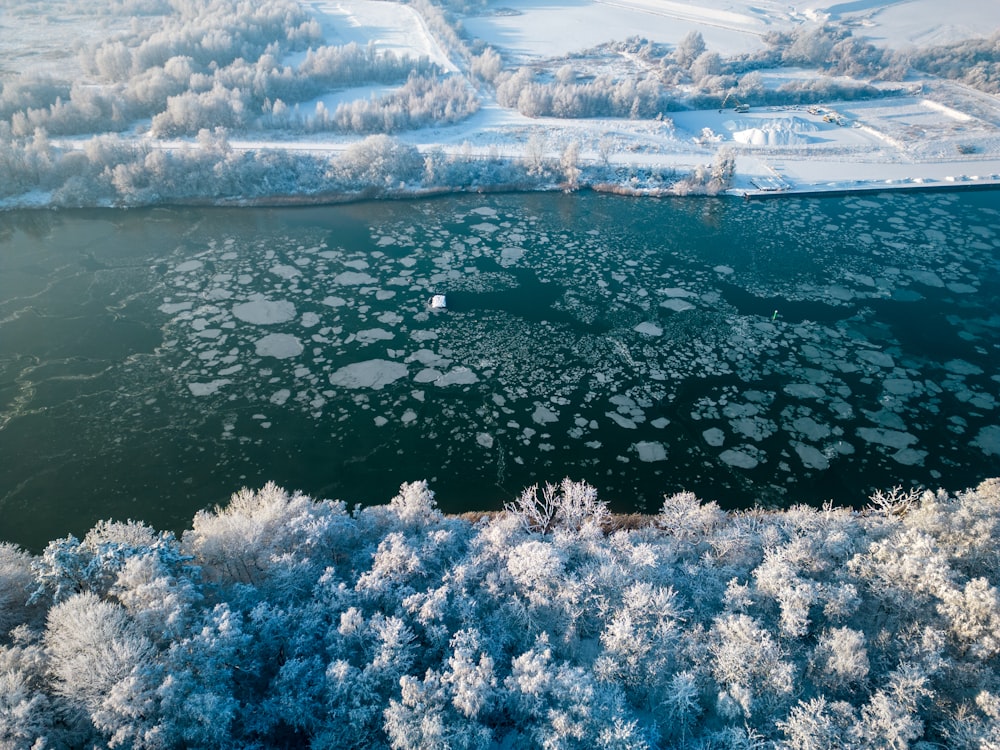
[(714, 437), (427, 375), (649, 329), (353, 278), (740, 410), (754, 428), (485, 226), (383, 294), (428, 358), (899, 386), (511, 255), (628, 424), (484, 211), (843, 448), (370, 335), (909, 457), (279, 346), (372, 373), (264, 311), (961, 367), (543, 415), (457, 376), (739, 459), (285, 272), (309, 319), (804, 390), (927, 278), (811, 457), (959, 288), (381, 421), (877, 358), (485, 440), (278, 398), (650, 452), (839, 292), (677, 305), (207, 389), (188, 266), (886, 418), (677, 291), (660, 422), (724, 270), (988, 440), (408, 416), (811, 428), (423, 335), (334, 301), (889, 438), (439, 302), (168, 308)]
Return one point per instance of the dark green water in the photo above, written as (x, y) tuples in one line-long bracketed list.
[(153, 362)]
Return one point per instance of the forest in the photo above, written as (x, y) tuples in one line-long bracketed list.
[(278, 620)]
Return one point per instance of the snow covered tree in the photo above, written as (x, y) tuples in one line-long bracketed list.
[(94, 648), (273, 541), (689, 48), (16, 587)]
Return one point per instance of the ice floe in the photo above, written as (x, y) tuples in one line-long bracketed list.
[(207, 389), (648, 329), (372, 373), (988, 440), (650, 452), (264, 311), (279, 346), (738, 458)]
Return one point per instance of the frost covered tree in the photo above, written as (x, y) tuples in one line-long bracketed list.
[(282, 621), (16, 587), (570, 163), (569, 505), (689, 48), (95, 651), (378, 161)]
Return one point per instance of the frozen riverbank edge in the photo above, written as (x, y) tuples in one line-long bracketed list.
[(39, 202)]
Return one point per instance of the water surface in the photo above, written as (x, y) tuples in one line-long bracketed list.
[(774, 352)]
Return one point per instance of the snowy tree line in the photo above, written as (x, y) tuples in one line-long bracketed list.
[(689, 75), (423, 101), (219, 63), (280, 621), (974, 62), (110, 170), (600, 97)]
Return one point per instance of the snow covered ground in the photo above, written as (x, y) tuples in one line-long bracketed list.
[(896, 142), (942, 133)]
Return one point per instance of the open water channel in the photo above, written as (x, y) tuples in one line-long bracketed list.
[(774, 352)]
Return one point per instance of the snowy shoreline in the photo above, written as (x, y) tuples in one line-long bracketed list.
[(335, 198)]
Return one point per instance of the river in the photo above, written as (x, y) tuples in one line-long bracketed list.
[(769, 352)]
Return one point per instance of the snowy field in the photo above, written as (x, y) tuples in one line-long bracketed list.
[(897, 142), (929, 132)]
